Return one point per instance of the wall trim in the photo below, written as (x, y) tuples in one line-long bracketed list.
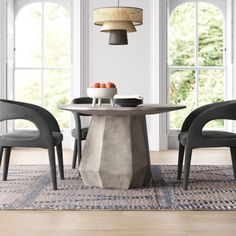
[(158, 125), (154, 137), (84, 45), (3, 55), (3, 48), (80, 52), (80, 46), (84, 52)]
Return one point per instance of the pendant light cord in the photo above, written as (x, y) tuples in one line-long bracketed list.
[(118, 3)]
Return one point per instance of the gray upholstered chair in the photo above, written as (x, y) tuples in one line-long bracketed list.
[(80, 133), (192, 134), (47, 136)]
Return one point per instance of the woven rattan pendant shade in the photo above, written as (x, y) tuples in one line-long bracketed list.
[(114, 19)]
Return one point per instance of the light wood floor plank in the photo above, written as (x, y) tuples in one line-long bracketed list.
[(200, 157), (116, 223)]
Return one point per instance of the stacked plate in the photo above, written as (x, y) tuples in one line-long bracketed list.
[(128, 101)]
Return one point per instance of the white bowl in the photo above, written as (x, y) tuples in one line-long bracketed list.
[(101, 92)]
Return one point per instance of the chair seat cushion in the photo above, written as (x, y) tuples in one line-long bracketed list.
[(14, 138), (84, 132), (182, 137)]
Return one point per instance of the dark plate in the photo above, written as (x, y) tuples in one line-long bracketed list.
[(128, 102)]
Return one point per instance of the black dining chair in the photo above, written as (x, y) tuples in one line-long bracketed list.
[(193, 136), (47, 135), (80, 132)]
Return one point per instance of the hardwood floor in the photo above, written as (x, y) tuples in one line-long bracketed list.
[(128, 223), (200, 156), (72, 223)]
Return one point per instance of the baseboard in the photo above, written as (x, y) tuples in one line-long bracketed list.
[(153, 141), (67, 140), (173, 142)]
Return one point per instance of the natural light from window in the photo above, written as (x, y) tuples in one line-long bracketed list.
[(42, 58), (196, 59)]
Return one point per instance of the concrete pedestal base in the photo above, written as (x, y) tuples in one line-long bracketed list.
[(116, 153)]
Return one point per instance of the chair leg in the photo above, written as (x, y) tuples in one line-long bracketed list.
[(188, 155), (74, 155), (60, 160), (7, 154), (79, 151), (233, 157), (180, 160), (1, 152), (51, 154)]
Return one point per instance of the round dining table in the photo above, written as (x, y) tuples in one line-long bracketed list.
[(116, 151)]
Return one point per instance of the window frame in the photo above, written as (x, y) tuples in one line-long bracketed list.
[(226, 9), (79, 48), (42, 69)]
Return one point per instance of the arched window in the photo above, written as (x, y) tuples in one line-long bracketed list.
[(42, 55), (196, 58)]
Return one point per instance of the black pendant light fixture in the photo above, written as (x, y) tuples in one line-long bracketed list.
[(118, 37)]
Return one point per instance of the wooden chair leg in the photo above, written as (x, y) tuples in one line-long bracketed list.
[(233, 157), (51, 154), (1, 152), (74, 155), (180, 161), (7, 154), (60, 160), (188, 155)]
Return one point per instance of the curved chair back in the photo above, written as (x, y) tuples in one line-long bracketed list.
[(194, 114), (86, 100), (43, 120), (48, 134), (223, 111), (82, 100)]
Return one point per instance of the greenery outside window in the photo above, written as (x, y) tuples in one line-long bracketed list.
[(196, 59)]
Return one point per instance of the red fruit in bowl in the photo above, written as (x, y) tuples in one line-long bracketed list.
[(103, 85), (110, 85), (95, 85)]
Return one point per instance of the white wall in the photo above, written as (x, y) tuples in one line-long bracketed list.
[(128, 65)]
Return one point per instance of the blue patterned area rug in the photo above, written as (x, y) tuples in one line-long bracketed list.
[(29, 187)]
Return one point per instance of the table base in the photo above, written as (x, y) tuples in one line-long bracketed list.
[(116, 153)]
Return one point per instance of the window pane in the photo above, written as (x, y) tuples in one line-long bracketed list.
[(57, 36), (211, 36), (211, 89), (182, 84), (28, 36), (182, 35), (56, 92), (27, 89)]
